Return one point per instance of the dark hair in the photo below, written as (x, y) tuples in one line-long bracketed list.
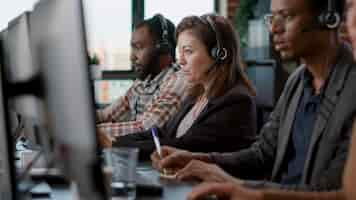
[(225, 75), (320, 6), (155, 28)]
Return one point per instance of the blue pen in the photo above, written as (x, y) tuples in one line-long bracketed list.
[(156, 141), (157, 144)]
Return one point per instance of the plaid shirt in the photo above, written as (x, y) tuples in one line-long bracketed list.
[(147, 103)]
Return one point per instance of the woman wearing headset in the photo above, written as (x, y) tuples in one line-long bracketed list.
[(219, 114)]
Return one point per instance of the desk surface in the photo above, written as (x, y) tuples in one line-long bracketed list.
[(172, 190)]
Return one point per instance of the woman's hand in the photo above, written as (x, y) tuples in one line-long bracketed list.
[(172, 159)]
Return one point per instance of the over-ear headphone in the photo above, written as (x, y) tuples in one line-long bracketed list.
[(330, 18), (218, 53), (163, 45)]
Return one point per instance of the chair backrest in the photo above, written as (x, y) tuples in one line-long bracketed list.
[(263, 75)]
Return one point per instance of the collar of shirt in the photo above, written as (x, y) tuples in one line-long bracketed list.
[(307, 79), (151, 85), (156, 80)]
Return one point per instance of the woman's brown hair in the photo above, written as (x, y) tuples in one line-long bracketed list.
[(227, 73)]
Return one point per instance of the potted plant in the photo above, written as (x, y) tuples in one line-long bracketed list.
[(94, 63), (243, 14)]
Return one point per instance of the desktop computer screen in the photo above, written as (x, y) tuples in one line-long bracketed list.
[(18, 42), (20, 103), (7, 174), (21, 70), (58, 43)]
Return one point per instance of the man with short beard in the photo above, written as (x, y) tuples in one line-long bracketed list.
[(157, 93)]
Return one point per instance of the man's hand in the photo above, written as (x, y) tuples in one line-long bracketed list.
[(105, 141), (199, 170), (226, 191), (172, 158)]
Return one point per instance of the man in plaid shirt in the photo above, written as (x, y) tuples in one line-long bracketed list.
[(157, 93)]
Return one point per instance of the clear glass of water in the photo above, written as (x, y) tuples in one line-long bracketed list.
[(123, 162)]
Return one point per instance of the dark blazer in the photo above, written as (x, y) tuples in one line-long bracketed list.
[(227, 123), (328, 147)]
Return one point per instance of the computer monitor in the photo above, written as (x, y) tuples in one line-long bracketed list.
[(21, 74), (14, 122), (7, 170), (18, 43), (59, 44)]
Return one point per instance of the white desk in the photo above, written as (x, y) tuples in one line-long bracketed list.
[(172, 190)]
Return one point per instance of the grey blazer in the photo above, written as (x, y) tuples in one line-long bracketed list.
[(330, 138)]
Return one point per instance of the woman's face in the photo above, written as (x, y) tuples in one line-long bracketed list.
[(193, 57)]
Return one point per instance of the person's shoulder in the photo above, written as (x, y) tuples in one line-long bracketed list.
[(345, 62), (345, 68), (294, 78), (345, 55), (234, 98), (238, 93), (296, 74)]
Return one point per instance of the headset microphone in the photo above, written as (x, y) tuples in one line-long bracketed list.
[(218, 52), (163, 46), (328, 19)]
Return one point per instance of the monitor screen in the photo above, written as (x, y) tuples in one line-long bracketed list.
[(61, 54), (20, 69), (7, 183), (17, 42)]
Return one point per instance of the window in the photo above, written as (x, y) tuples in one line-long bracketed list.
[(109, 27), (109, 90), (109, 32)]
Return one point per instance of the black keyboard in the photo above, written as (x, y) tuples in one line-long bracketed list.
[(145, 185)]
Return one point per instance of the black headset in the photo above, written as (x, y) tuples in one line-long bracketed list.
[(163, 46), (218, 53), (330, 18)]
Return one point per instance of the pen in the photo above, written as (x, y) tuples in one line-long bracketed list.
[(157, 144), (156, 141)]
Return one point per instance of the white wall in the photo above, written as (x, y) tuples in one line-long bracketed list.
[(13, 8), (177, 10)]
